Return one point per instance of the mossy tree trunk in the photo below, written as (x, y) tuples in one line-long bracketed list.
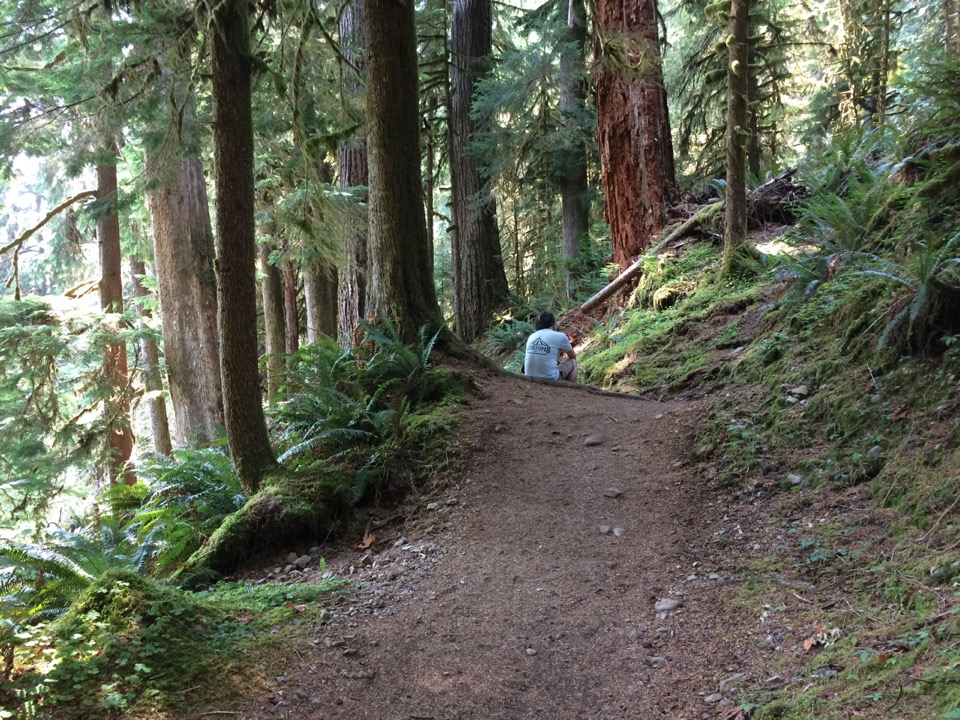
[(231, 65), (479, 280), (399, 279), (735, 206), (119, 433)]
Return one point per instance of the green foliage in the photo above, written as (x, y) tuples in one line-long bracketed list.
[(128, 642), (51, 392), (337, 402), (177, 504)]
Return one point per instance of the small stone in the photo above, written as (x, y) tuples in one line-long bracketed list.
[(452, 501), (691, 578), (366, 560), (288, 569), (713, 698), (292, 557), (278, 571), (716, 576), (433, 506), (801, 391), (725, 703), (302, 561), (794, 479), (618, 532), (655, 661), (792, 400), (729, 681), (531, 651), (612, 492), (350, 652), (593, 441), (604, 529), (668, 604), (774, 680), (874, 453)]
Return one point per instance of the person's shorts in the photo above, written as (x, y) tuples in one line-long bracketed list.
[(566, 368)]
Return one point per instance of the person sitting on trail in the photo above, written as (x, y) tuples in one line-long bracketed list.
[(543, 350)]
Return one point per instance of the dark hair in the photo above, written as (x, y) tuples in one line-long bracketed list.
[(545, 320)]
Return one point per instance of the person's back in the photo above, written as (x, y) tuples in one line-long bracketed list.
[(543, 349)]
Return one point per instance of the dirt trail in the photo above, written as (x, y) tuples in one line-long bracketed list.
[(507, 601)]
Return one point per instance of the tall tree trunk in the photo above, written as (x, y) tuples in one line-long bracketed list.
[(231, 64), (119, 434), (573, 101), (400, 283), (274, 329), (636, 154), (184, 255), (354, 172), (152, 376), (735, 204), (291, 311), (951, 12), (479, 280), (320, 291)]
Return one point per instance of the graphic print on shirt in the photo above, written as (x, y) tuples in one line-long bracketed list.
[(538, 347)]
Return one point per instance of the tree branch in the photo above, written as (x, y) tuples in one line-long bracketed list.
[(27, 234)]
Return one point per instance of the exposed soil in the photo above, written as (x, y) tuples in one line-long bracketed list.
[(527, 588)]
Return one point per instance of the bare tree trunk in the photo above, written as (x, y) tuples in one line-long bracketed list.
[(321, 294), (735, 207), (573, 100), (951, 12), (271, 296), (479, 280), (400, 283), (117, 408), (187, 287), (291, 316), (636, 153), (152, 376), (354, 172), (230, 57)]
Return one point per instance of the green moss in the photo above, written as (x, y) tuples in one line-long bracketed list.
[(290, 508)]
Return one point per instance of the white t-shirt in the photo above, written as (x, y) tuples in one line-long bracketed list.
[(542, 350)]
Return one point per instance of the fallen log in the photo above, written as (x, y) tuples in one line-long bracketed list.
[(694, 221), (774, 201)]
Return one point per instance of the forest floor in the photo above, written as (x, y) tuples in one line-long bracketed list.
[(582, 566)]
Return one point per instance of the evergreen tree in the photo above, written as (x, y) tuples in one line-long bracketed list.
[(738, 134), (636, 153), (399, 279), (479, 280), (231, 67)]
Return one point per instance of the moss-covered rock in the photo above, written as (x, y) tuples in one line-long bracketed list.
[(289, 508)]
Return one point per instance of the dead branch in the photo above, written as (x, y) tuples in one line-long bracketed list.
[(27, 234)]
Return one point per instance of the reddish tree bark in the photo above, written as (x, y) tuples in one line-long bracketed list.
[(636, 152)]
